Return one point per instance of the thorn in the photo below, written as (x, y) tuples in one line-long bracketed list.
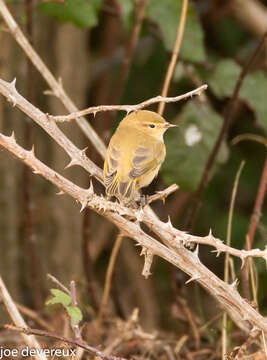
[(71, 163), (48, 116), (84, 205), (193, 278), (36, 172), (49, 92), (243, 261), (13, 83), (12, 136), (32, 151), (143, 251), (139, 218), (12, 99), (254, 329), (196, 251), (94, 113), (91, 188), (169, 224), (234, 283), (210, 236), (146, 274), (83, 152), (60, 192), (150, 227), (128, 110), (217, 251)]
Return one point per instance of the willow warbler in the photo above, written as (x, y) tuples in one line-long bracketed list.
[(135, 154)]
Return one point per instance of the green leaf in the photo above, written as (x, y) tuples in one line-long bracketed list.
[(82, 13), (127, 9), (254, 90), (59, 298), (223, 79), (189, 146), (167, 14), (75, 314)]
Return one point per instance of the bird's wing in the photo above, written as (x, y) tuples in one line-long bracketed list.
[(122, 188), (145, 161), (111, 164)]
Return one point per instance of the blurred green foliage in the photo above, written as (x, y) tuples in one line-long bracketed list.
[(82, 13), (164, 14), (215, 51), (189, 146), (253, 90)]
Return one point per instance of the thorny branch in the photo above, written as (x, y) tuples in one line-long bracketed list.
[(172, 250), (56, 86), (128, 108)]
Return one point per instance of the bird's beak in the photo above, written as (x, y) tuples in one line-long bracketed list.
[(168, 125)]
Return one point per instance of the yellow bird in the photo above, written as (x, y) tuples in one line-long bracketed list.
[(135, 154)]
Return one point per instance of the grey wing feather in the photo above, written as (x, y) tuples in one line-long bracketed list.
[(143, 162), (111, 166)]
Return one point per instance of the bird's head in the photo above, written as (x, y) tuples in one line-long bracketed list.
[(148, 122)]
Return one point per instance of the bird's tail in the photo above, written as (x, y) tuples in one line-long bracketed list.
[(123, 190)]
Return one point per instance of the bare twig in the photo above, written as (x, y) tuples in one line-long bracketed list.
[(56, 281), (229, 114), (248, 136), (75, 328), (249, 341), (252, 14), (148, 255), (161, 195), (87, 261), (108, 278), (82, 344), (9, 90), (227, 256), (264, 343), (175, 53), (18, 320), (34, 316), (140, 6), (128, 108), (191, 321), (240, 310), (73, 293), (254, 221), (173, 251), (56, 86)]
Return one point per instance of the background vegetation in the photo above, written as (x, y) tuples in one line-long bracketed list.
[(83, 42)]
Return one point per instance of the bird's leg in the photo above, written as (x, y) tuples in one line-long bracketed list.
[(143, 200), (129, 203)]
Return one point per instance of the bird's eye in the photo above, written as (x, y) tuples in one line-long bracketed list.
[(152, 126)]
